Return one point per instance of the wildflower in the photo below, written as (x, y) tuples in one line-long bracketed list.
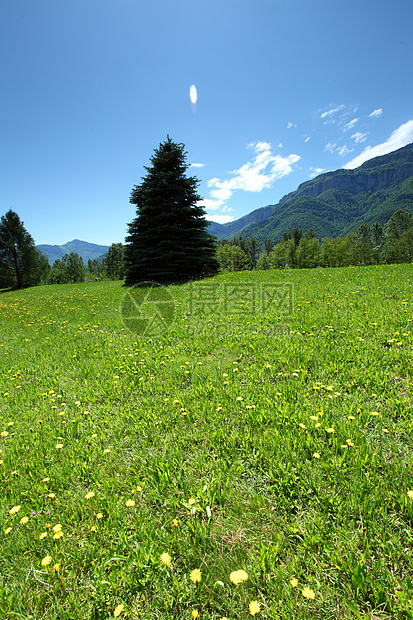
[(316, 455), (15, 509), (99, 515), (175, 522), (118, 610), (24, 520), (254, 607), (106, 451), (330, 430), (139, 489), (89, 495), (59, 446), (195, 575), (42, 535), (46, 561), (374, 414), (294, 582), (45, 479), (410, 494), (8, 530), (4, 434), (51, 495), (93, 528), (57, 527), (58, 535), (238, 576), (56, 567), (129, 503), (195, 614), (191, 501), (308, 593), (165, 559)]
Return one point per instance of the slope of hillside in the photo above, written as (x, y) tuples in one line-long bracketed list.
[(336, 203)]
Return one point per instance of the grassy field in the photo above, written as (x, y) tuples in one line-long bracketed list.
[(247, 462)]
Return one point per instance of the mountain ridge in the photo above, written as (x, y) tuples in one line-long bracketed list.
[(336, 202), (84, 249)]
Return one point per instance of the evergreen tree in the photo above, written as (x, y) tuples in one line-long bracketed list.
[(21, 264), (167, 240)]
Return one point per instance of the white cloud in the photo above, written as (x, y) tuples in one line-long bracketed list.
[(290, 124), (331, 146), (376, 113), (344, 150), (332, 111), (220, 219), (197, 165), (254, 176), (316, 171), (351, 124), (359, 137), (307, 139), (400, 137)]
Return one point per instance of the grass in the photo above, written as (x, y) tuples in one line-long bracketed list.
[(237, 440)]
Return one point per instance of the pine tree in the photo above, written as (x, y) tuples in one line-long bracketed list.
[(168, 240), (21, 264)]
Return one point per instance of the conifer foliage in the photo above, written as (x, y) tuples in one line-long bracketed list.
[(168, 240)]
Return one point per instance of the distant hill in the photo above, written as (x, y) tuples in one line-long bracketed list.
[(82, 248), (334, 203)]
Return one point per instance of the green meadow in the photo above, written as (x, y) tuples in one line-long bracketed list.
[(248, 461)]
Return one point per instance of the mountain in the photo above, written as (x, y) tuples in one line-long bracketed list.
[(334, 203), (83, 248)]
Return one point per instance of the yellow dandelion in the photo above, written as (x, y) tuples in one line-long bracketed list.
[(56, 567), (410, 494), (118, 610), (58, 535), (165, 559), (308, 593), (89, 495), (374, 414), (316, 455), (195, 575), (175, 523), (330, 430), (42, 535), (24, 520), (191, 501), (4, 434), (294, 582), (195, 613), (93, 528), (129, 503), (139, 489), (238, 576), (46, 561), (57, 527), (51, 495), (254, 607), (8, 530), (15, 509), (59, 446), (99, 515), (45, 479), (106, 451)]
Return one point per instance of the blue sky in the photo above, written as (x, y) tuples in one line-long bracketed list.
[(286, 89)]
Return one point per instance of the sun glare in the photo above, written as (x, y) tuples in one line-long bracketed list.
[(193, 95)]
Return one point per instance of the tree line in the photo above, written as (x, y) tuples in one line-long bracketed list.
[(391, 243), (168, 240), (23, 265)]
